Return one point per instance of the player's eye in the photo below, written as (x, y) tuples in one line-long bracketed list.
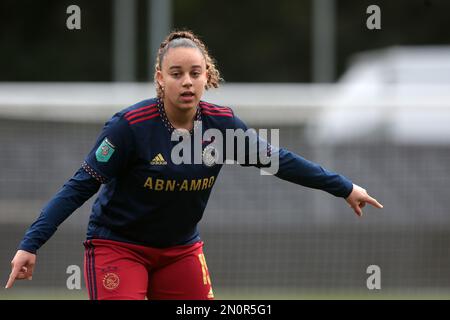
[(196, 74), (176, 74)]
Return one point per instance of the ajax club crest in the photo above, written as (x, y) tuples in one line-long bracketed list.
[(210, 156), (111, 281)]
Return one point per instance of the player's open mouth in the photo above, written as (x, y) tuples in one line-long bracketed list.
[(187, 96)]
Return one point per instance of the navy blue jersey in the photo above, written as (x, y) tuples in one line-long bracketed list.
[(146, 198)]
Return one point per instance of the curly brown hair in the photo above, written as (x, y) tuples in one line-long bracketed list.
[(187, 39)]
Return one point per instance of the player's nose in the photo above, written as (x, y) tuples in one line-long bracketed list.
[(187, 81)]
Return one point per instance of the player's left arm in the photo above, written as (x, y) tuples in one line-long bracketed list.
[(298, 170)]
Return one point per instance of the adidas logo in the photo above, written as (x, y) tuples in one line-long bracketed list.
[(158, 160)]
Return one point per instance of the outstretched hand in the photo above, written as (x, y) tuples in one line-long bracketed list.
[(22, 267), (358, 199)]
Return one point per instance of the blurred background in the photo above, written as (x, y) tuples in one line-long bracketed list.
[(370, 103)]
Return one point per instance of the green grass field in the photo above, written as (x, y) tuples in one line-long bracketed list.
[(260, 294)]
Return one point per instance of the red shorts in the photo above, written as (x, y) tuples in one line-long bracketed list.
[(118, 270)]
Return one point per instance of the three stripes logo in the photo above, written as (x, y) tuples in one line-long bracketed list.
[(158, 160)]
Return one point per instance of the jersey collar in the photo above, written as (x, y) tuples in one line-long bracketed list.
[(168, 125)]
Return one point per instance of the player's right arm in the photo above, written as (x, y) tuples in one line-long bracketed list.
[(72, 195), (100, 166)]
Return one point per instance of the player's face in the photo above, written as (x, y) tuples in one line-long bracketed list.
[(183, 76)]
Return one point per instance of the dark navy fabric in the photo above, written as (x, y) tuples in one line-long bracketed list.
[(147, 199)]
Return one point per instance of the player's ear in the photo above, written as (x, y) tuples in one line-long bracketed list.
[(160, 78), (208, 78)]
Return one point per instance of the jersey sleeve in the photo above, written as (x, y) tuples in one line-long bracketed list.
[(292, 167), (111, 152), (72, 195), (107, 158), (254, 148)]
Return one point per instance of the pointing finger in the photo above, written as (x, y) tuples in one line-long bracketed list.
[(374, 202), (12, 277)]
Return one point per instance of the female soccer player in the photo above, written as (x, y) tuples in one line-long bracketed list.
[(142, 238)]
